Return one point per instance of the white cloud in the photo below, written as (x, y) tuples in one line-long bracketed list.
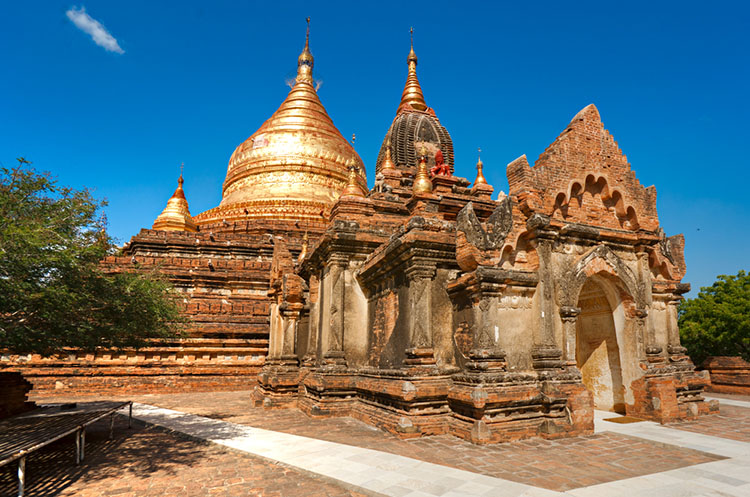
[(94, 28)]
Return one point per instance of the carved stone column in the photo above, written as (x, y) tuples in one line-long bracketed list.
[(290, 320), (677, 353), (486, 355), (646, 329), (275, 334), (333, 356), (310, 358), (546, 354), (278, 380), (419, 351), (569, 317)]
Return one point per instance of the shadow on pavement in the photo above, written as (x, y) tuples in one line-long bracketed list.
[(136, 452)]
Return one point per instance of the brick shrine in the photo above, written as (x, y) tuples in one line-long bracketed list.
[(422, 306)]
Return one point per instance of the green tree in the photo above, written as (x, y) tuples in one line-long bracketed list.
[(53, 293), (717, 321)]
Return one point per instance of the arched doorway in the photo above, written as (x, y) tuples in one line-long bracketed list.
[(597, 350)]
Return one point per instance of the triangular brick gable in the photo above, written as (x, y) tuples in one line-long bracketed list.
[(584, 177)]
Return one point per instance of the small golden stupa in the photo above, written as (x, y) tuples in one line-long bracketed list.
[(176, 215), (480, 167), (294, 167)]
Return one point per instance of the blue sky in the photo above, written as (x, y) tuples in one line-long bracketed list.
[(189, 81)]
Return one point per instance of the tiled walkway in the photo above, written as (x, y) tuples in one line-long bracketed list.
[(706, 457)]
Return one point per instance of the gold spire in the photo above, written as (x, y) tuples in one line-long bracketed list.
[(305, 61), (176, 215), (422, 182), (412, 94), (352, 187), (480, 177)]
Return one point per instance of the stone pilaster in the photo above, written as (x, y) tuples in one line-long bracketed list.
[(569, 315), (546, 354), (278, 381), (677, 353), (646, 328), (333, 356), (419, 351), (309, 360)]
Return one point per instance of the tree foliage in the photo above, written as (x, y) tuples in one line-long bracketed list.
[(53, 292), (717, 321)]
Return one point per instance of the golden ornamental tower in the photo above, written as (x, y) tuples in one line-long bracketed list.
[(294, 167), (176, 215)]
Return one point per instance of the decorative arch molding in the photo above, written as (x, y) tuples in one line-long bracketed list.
[(600, 259), (596, 185)]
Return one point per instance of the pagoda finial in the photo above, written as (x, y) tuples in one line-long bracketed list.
[(412, 95), (307, 36), (305, 61), (480, 176)]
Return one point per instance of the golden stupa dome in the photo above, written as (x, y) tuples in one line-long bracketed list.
[(176, 215), (294, 167)]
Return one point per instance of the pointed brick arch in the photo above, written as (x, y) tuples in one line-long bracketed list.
[(599, 261)]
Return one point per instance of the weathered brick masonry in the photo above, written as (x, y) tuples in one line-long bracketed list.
[(728, 375), (437, 309), (223, 281), (422, 306)]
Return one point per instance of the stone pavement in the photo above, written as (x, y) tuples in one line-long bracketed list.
[(732, 422), (551, 464), (148, 461), (705, 457)]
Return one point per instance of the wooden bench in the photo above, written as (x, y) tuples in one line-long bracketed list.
[(23, 434)]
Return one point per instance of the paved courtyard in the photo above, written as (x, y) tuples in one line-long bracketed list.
[(217, 444), (151, 461)]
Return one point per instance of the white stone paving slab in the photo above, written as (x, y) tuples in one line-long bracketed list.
[(659, 433), (383, 473)]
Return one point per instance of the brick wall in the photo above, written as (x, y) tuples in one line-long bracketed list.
[(14, 389), (728, 374)]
